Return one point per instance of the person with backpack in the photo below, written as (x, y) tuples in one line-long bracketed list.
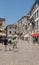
[(13, 44)]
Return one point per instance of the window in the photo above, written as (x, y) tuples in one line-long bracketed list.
[(33, 25), (34, 16), (37, 13), (10, 32), (37, 24), (0, 24), (26, 27), (15, 27), (15, 32), (10, 27), (0, 31)]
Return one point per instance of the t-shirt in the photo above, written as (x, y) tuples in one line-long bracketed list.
[(13, 42)]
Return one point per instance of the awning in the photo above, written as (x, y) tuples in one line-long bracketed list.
[(36, 34)]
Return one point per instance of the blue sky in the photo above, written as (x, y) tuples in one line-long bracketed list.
[(13, 10)]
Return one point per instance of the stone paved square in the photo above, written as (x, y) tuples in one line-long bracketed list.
[(26, 54)]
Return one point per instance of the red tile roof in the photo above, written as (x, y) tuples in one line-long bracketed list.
[(13, 25)]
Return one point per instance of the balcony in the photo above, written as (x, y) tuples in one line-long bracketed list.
[(2, 34), (2, 27)]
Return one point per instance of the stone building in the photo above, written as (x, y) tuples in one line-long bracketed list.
[(11, 30), (2, 27), (34, 16), (23, 24)]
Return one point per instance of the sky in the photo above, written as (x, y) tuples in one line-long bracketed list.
[(13, 10)]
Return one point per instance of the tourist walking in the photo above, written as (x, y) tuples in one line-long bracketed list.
[(16, 41), (10, 43), (5, 43), (13, 44)]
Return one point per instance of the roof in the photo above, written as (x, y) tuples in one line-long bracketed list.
[(36, 1), (27, 16), (12, 25)]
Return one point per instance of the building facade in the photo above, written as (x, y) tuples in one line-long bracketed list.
[(34, 16), (2, 27), (11, 30), (23, 24)]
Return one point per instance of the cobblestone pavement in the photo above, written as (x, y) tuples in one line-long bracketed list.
[(26, 54)]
